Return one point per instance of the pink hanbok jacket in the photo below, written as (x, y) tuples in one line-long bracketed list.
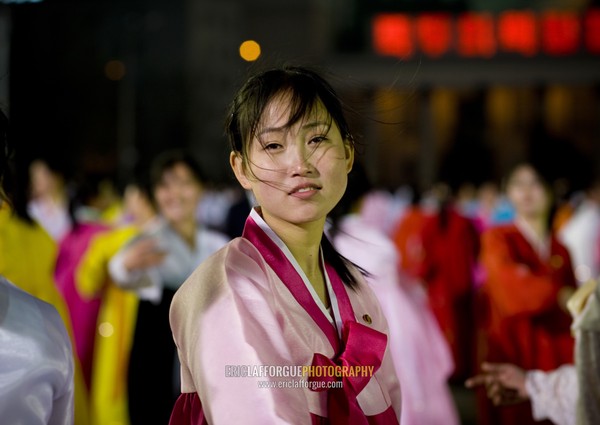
[(248, 310)]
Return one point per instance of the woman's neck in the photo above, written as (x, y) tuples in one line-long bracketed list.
[(187, 230), (144, 220), (537, 224), (303, 241), (56, 197)]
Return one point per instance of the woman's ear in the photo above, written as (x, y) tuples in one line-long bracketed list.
[(237, 165), (349, 154)]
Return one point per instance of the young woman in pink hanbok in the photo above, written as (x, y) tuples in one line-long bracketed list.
[(277, 327)]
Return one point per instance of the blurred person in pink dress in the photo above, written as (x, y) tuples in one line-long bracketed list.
[(71, 249), (421, 355)]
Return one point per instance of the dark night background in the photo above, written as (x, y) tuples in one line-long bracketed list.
[(182, 66)]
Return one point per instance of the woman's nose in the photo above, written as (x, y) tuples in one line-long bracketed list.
[(302, 161)]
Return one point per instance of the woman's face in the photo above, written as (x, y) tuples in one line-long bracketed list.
[(137, 204), (527, 192), (178, 194), (298, 173), (43, 181)]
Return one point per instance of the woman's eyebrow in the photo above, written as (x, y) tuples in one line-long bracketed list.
[(306, 126), (314, 124), (270, 130)]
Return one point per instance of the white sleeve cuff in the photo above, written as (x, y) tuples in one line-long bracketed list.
[(553, 394)]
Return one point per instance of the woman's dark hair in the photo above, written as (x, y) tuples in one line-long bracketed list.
[(168, 160), (306, 89), (525, 164), (82, 193), (4, 156), (13, 180), (141, 181), (358, 186), (446, 195)]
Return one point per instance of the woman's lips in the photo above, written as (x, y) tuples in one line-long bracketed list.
[(305, 191)]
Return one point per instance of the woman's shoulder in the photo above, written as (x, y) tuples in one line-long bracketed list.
[(222, 271), (36, 319), (212, 238), (235, 272)]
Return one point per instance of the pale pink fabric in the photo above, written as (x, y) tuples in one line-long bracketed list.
[(421, 356), (234, 310)]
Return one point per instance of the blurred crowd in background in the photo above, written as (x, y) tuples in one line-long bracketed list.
[(482, 268)]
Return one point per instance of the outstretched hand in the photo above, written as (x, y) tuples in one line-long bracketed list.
[(504, 383), (143, 254)]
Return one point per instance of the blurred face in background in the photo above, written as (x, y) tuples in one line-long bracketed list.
[(177, 194), (488, 196), (528, 193), (44, 182), (137, 205)]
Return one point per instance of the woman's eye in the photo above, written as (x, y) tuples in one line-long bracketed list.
[(317, 139), (272, 146)]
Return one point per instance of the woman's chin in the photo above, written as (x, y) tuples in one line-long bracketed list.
[(178, 217)]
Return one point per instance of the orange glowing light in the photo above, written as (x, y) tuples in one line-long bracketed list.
[(250, 50)]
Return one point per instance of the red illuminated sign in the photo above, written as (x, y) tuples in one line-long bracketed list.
[(522, 32), (517, 32), (592, 31), (560, 33), (434, 33), (392, 35), (476, 35)]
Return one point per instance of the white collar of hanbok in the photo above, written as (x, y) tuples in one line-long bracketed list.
[(336, 320), (540, 245)]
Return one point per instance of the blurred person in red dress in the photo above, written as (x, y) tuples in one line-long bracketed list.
[(408, 236), (529, 279), (450, 251)]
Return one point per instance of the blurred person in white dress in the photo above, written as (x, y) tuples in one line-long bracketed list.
[(49, 203), (36, 363), (568, 395), (581, 235), (154, 265)]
